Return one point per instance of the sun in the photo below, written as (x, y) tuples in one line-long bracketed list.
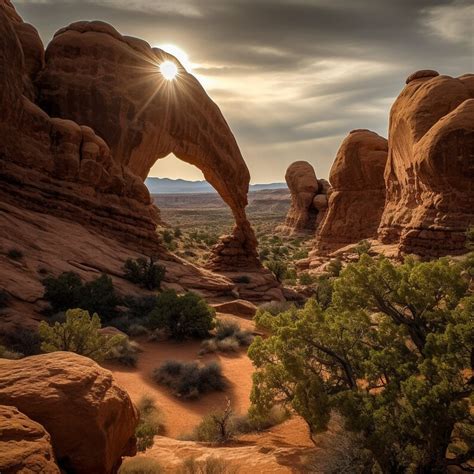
[(169, 70)]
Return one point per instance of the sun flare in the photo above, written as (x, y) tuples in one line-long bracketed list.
[(169, 70)]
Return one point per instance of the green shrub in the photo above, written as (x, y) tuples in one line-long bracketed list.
[(278, 268), (167, 236), (182, 316), (137, 330), (324, 291), (140, 465), (4, 298), (252, 422), (306, 279), (188, 379), (150, 424), (79, 334), (363, 247), (178, 232), (15, 254), (334, 267), (68, 291), (145, 273)]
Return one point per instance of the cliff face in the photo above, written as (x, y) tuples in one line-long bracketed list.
[(430, 167), (82, 125)]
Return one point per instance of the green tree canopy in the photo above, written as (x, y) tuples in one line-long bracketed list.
[(393, 353)]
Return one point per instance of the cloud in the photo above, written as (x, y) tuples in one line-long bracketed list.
[(292, 77)]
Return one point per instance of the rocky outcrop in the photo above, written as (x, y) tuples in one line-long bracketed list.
[(90, 419), (25, 446), (81, 126), (430, 167), (112, 83), (357, 198), (309, 199)]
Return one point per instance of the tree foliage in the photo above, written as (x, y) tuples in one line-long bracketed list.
[(393, 354), (68, 291), (182, 316), (80, 334), (145, 273)]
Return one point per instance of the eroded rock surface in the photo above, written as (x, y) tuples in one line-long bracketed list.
[(309, 199), (25, 446), (430, 167), (90, 419), (112, 83), (357, 198)]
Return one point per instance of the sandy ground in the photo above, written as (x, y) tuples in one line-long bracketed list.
[(182, 416), (281, 449)]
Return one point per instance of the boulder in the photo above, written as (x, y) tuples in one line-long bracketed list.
[(430, 167), (91, 420), (237, 307), (357, 198), (25, 446)]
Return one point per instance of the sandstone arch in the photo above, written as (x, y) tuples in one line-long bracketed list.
[(111, 83)]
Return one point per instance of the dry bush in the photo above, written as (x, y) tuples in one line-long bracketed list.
[(140, 465), (151, 423), (208, 466)]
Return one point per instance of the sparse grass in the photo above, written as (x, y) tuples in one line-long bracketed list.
[(208, 466), (189, 380), (249, 424), (140, 465), (9, 354)]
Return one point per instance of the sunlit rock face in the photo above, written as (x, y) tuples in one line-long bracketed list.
[(113, 84), (430, 168), (309, 199), (357, 195)]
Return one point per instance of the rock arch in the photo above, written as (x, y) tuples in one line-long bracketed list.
[(96, 77)]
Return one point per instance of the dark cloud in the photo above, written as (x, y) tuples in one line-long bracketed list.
[(290, 75)]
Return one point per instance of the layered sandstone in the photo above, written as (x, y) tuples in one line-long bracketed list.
[(357, 197), (112, 83), (430, 168), (25, 446), (90, 419), (81, 127), (309, 199)]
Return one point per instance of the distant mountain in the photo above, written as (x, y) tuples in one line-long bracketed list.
[(181, 186)]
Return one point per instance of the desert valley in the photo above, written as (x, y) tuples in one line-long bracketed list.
[(319, 323)]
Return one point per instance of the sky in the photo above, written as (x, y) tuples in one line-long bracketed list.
[(292, 77)]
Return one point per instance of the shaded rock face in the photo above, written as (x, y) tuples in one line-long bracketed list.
[(90, 419), (25, 446), (430, 168), (117, 117), (112, 83), (357, 197), (308, 199)]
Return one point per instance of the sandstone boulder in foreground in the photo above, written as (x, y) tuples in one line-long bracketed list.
[(25, 446), (90, 419)]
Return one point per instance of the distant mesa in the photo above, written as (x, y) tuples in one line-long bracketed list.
[(309, 199)]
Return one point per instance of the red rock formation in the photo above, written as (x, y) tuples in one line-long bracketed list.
[(357, 197), (308, 199), (430, 167), (25, 446), (112, 83), (90, 419)]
